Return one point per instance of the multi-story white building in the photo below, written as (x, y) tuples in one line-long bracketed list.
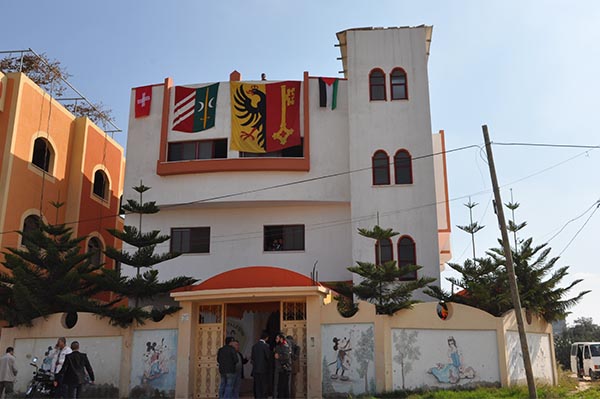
[(224, 209), (371, 160)]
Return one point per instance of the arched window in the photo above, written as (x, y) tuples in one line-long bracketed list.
[(377, 85), (30, 224), (94, 248), (403, 167), (100, 184), (42, 154), (381, 168), (386, 253), (398, 84), (407, 255)]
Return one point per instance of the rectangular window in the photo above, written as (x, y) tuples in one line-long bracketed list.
[(284, 238), (202, 149), (190, 240)]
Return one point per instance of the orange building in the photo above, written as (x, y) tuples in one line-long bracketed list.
[(49, 155)]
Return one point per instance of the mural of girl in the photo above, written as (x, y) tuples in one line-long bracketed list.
[(342, 361), (452, 372)]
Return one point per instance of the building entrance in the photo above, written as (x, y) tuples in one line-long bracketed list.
[(245, 322)]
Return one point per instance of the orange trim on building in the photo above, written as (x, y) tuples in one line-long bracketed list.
[(253, 277), (164, 129), (443, 141)]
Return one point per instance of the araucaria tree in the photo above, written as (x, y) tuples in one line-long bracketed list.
[(385, 285), (144, 289), (48, 274), (484, 282)]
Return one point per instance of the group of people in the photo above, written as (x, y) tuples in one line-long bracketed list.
[(271, 367), (71, 369)]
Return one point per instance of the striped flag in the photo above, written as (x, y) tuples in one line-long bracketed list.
[(195, 108), (328, 88)]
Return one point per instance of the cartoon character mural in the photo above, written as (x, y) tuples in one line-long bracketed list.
[(454, 371), (154, 362), (348, 360), (343, 360)]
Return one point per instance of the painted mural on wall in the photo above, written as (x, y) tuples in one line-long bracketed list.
[(153, 362), (348, 352), (539, 351), (443, 358)]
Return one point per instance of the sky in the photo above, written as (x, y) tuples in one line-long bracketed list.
[(527, 70)]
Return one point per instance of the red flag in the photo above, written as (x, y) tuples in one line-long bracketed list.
[(283, 115), (143, 99)]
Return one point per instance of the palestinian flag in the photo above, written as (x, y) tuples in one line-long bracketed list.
[(328, 89), (265, 117), (195, 108)]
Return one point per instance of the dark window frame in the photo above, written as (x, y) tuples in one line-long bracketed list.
[(271, 234), (385, 167), (197, 245), (398, 165), (197, 144), (373, 85), (392, 84), (96, 248), (403, 261), (43, 157), (100, 190), (389, 245)]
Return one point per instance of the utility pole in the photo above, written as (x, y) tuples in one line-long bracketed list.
[(510, 268)]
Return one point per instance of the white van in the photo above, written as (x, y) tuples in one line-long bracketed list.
[(585, 359)]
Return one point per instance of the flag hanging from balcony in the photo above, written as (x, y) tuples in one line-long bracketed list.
[(265, 117), (3, 82), (195, 108), (328, 89), (143, 101)]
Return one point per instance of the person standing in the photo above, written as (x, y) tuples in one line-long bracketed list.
[(73, 371), (8, 372), (61, 351), (227, 359), (261, 366), (239, 369), (283, 366)]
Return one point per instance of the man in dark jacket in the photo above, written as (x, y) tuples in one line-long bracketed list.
[(73, 371), (227, 358), (261, 366)]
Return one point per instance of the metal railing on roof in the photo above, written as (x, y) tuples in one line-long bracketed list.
[(79, 97)]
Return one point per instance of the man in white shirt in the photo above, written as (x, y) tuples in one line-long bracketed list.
[(60, 352), (8, 372)]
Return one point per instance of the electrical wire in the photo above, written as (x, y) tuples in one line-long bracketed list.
[(572, 220), (580, 229)]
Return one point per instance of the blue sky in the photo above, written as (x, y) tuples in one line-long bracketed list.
[(529, 70)]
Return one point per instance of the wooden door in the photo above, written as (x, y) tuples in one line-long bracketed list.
[(209, 338), (293, 322)]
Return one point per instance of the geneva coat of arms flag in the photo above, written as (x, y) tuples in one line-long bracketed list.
[(265, 117)]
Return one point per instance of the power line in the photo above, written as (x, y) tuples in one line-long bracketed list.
[(581, 228), (547, 145), (335, 175), (572, 220), (311, 179)]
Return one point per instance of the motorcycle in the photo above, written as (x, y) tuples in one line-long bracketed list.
[(42, 383)]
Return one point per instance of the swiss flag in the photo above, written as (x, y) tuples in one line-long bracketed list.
[(143, 99)]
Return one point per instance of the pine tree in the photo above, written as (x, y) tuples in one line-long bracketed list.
[(381, 283), (145, 287), (49, 274)]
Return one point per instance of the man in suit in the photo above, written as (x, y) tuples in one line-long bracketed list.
[(8, 372), (261, 366), (73, 371)]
